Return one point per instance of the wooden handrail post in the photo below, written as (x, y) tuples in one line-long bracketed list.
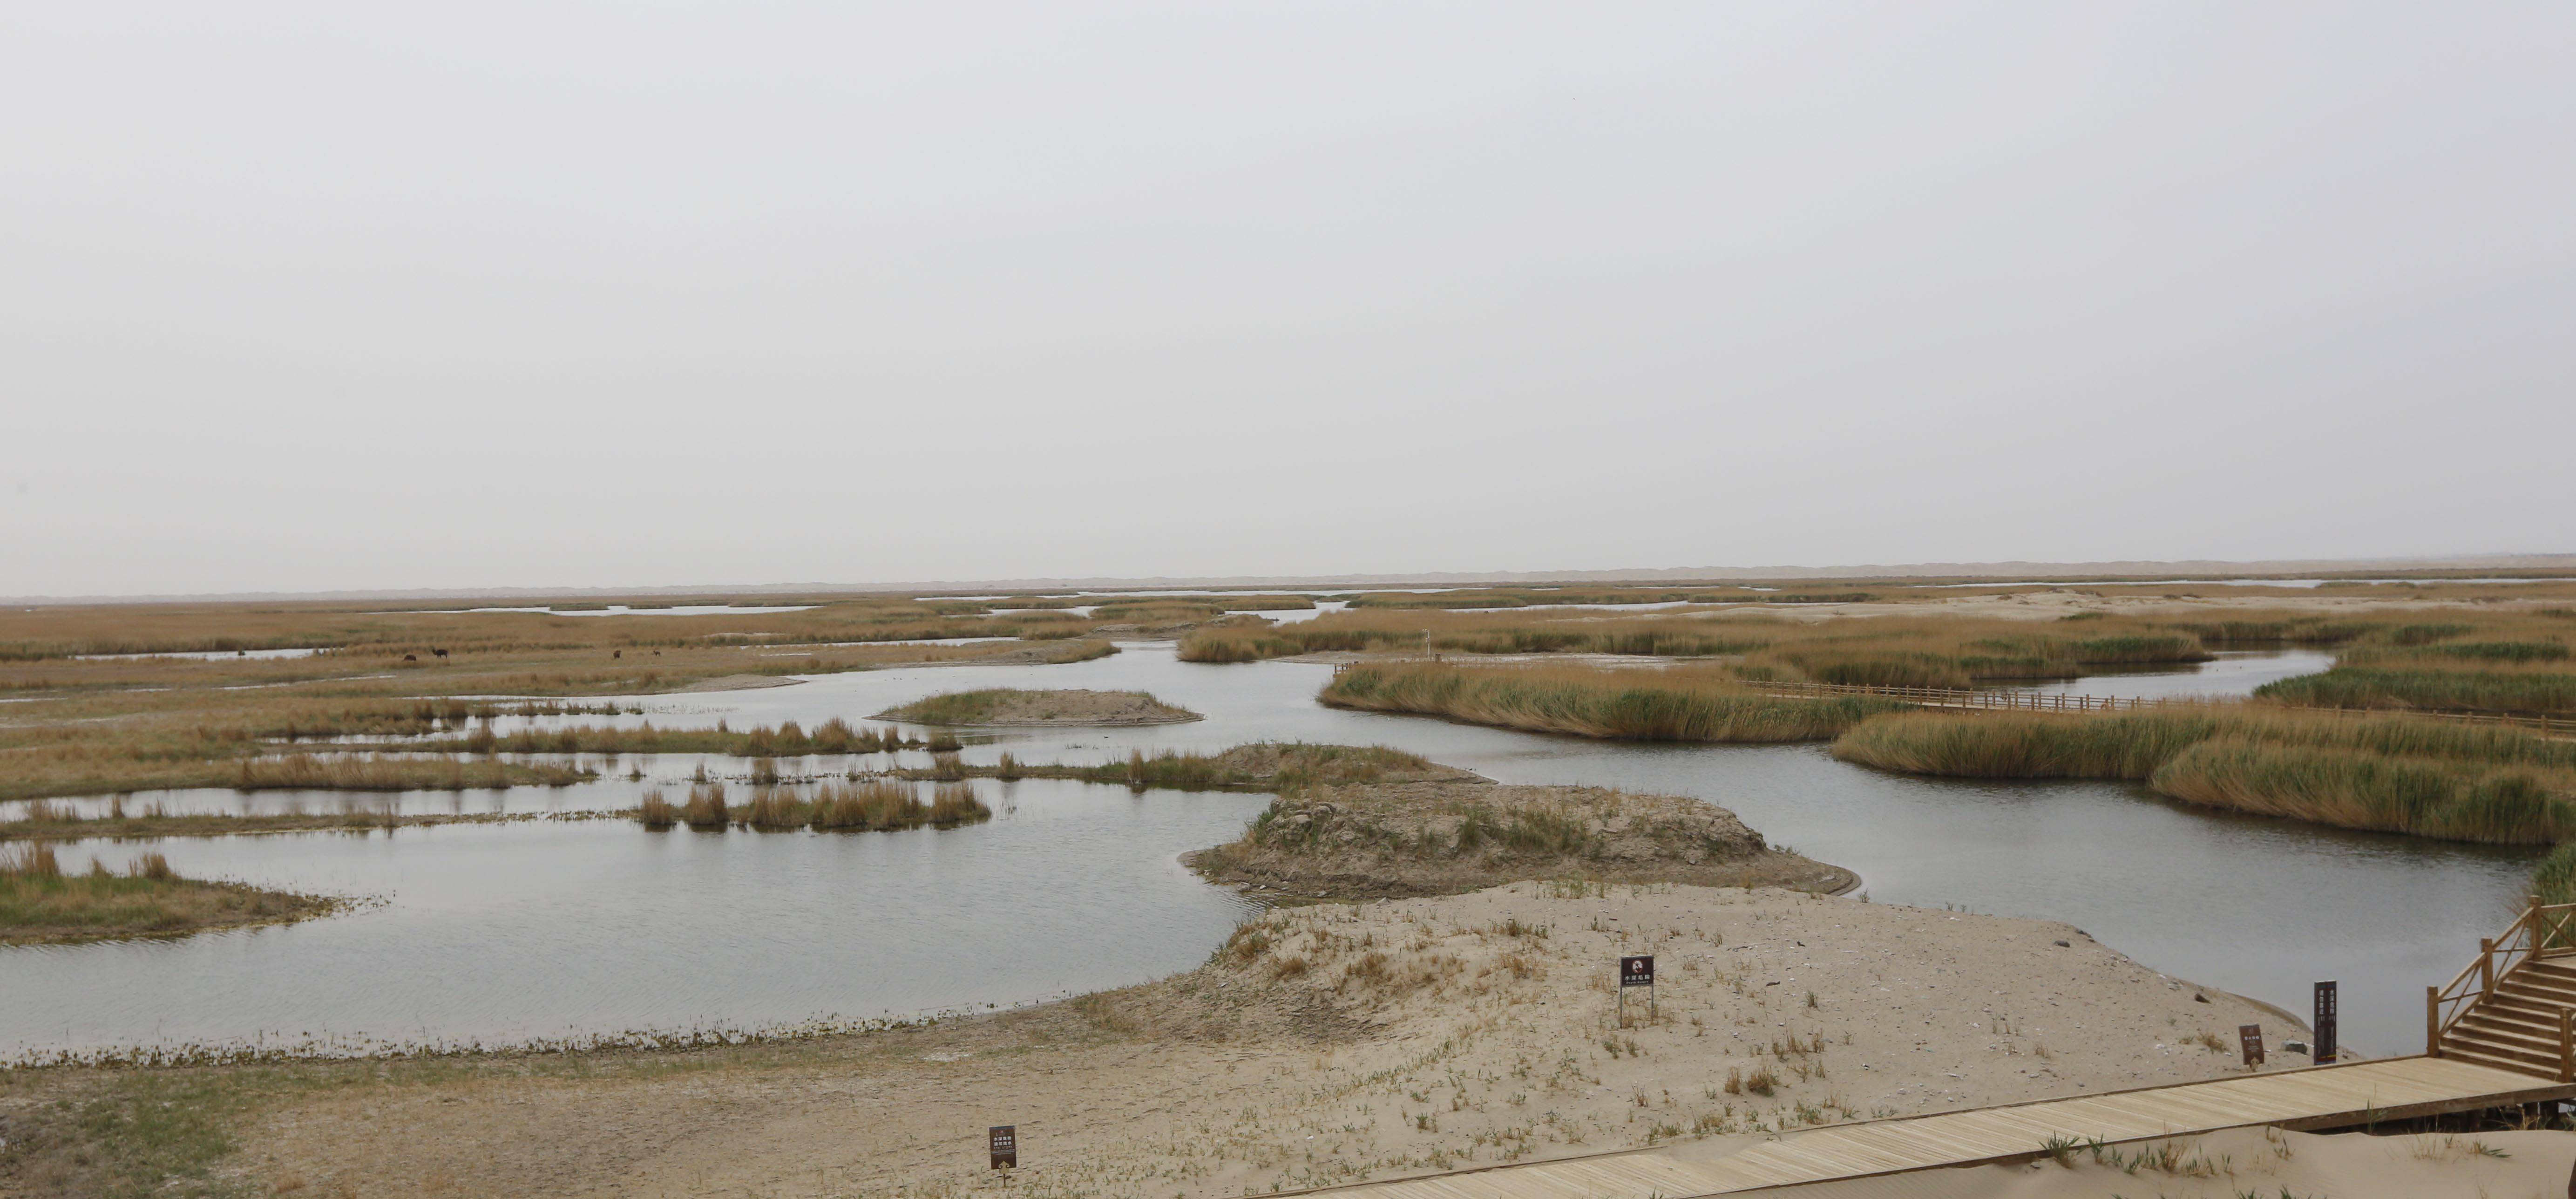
[(2486, 964), (2567, 1044), (2432, 1021)]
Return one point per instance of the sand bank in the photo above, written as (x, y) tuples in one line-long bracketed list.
[(1326, 1043)]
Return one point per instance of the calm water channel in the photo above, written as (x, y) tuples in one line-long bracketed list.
[(559, 928)]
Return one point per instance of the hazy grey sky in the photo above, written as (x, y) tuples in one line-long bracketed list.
[(335, 295)]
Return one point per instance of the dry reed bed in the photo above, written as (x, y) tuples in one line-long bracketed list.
[(872, 806), (1678, 704), (42, 821), (2500, 661), (1262, 766), (63, 630), (786, 740), (2390, 773), (1900, 651), (201, 718)]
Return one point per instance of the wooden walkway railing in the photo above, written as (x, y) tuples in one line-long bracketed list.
[(2544, 930)]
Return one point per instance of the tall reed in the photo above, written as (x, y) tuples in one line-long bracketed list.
[(2393, 773), (1635, 705), (657, 811), (706, 808)]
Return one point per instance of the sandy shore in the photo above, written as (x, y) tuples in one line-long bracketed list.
[(1326, 1043)]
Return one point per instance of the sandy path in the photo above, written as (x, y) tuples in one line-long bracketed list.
[(1329, 1043)]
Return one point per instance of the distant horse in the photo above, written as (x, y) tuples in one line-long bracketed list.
[(438, 653)]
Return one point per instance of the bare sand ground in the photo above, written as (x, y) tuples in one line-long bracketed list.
[(1325, 1043)]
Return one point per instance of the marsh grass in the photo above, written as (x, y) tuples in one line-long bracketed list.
[(1678, 704), (309, 772), (1085, 650), (2423, 796), (787, 740), (39, 902), (884, 805), (706, 810), (1262, 766), (874, 805), (2391, 773), (2497, 692), (2554, 879), (102, 726), (1884, 652)]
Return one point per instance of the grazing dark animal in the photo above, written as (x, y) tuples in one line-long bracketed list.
[(411, 657), (438, 653), (617, 653)]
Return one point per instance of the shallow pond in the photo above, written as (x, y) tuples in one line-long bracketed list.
[(538, 929), (533, 931)]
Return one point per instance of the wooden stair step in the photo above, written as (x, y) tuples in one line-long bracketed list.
[(2522, 1011), (2488, 1027), (2538, 996), (2527, 1059), (2474, 1057), (2543, 1040)]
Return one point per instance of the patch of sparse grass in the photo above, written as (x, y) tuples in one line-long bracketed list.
[(39, 902)]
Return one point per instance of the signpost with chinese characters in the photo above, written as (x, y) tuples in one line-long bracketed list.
[(1004, 1141), (2249, 1037), (1636, 970), (2325, 1046)]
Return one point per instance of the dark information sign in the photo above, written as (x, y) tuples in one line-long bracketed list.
[(2325, 1047), (1004, 1141), (1637, 970), (2250, 1038)]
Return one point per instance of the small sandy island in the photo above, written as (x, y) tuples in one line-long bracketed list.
[(1459, 832), (1010, 706)]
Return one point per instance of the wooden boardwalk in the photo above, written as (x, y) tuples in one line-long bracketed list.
[(2316, 1098)]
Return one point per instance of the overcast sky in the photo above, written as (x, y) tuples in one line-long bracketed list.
[(337, 296)]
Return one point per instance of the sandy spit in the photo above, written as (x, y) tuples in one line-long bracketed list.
[(1326, 1043)]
